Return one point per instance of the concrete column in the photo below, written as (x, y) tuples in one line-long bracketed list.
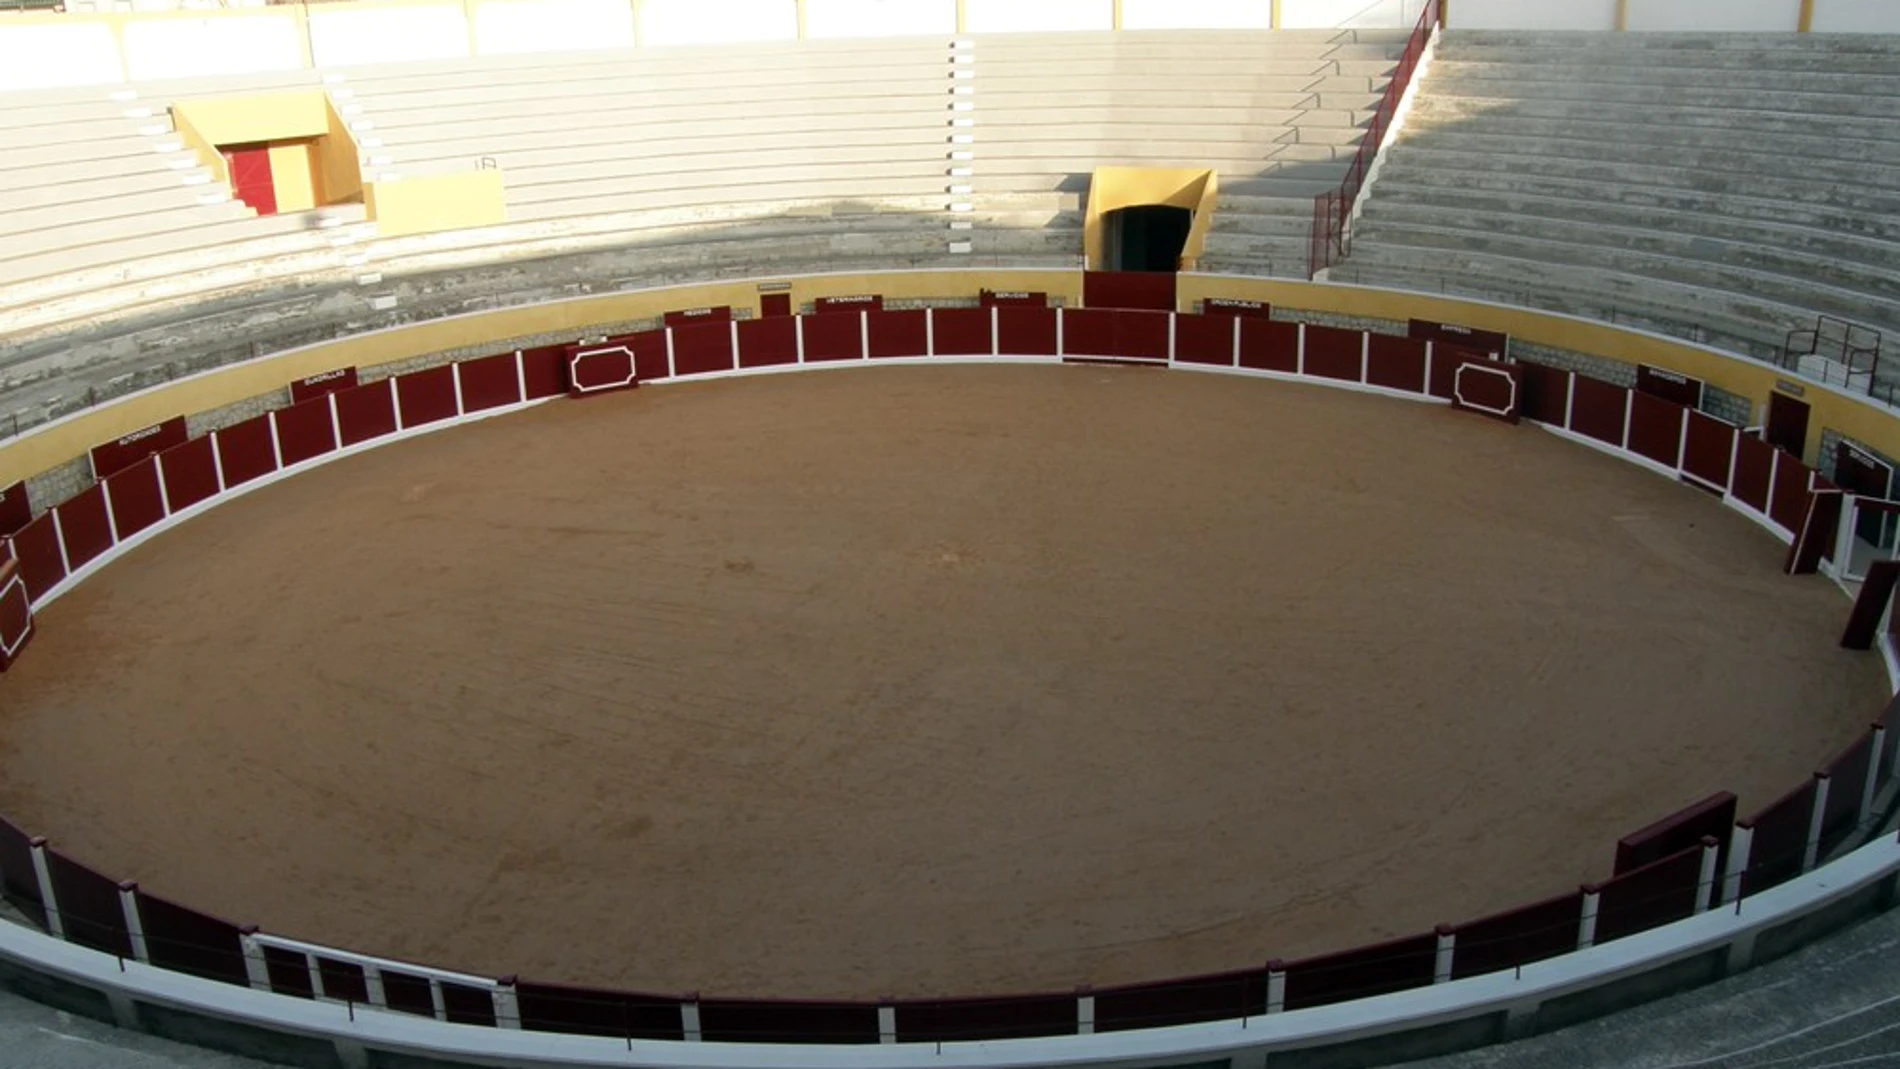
[(1276, 986), (1805, 22), (1739, 841), (255, 967), (1447, 946), (1813, 850), (1587, 918), (134, 924), (49, 899), (1705, 882)]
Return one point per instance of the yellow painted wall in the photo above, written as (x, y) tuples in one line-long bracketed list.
[(291, 178), (46, 448), (208, 155), (256, 117), (1114, 188), (339, 161), (439, 202)]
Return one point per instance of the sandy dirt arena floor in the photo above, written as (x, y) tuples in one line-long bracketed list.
[(915, 681)]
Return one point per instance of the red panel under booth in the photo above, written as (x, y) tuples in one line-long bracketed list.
[(1088, 332), (836, 336), (1656, 894), (775, 304), (1656, 429), (1471, 338), (703, 348), (305, 431), (1517, 936), (1005, 1017), (490, 382), (36, 547), (89, 906), (599, 368), (1668, 385), (136, 501), (1007, 298), (1487, 387), (1223, 997), (317, 385), (16, 509), (1269, 345), (768, 342), (1686, 827), (544, 372), (859, 302), (787, 1021), (1707, 450), (190, 472), (245, 451), (1754, 472), (185, 940), (1546, 393), (1332, 353), (1846, 780), (1142, 335), (129, 450), (687, 317), (594, 1012), (1597, 409), (1361, 973), (904, 333), (1129, 289), (365, 412), (84, 526), (1205, 339), (1779, 844), (650, 361), (1235, 306), (1395, 363), (961, 332), (1788, 503), (426, 396), (16, 617), (1025, 331)]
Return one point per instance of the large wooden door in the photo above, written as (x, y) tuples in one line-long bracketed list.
[(1787, 424)]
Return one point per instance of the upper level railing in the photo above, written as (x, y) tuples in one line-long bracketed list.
[(1330, 238)]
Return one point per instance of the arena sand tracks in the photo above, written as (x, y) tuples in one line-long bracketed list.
[(917, 681)]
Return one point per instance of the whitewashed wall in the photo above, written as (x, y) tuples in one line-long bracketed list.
[(191, 48), (1856, 16), (1531, 15), (1761, 16), (711, 22), (355, 37), (1196, 15), (51, 55), (505, 27), (1035, 16), (879, 18), (1359, 14)]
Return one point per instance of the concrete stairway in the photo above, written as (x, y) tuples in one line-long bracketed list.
[(1722, 187)]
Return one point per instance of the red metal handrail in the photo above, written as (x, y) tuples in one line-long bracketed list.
[(1328, 240)]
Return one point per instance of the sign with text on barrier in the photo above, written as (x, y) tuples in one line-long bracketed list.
[(134, 447), (1013, 298), (309, 389), (1669, 385), (1484, 341), (714, 314), (1234, 306), (862, 302)]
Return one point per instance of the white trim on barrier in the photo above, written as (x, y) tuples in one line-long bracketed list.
[(9, 649), (1458, 389), (573, 366)]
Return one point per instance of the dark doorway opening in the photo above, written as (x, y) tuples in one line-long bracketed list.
[(1787, 424), (1148, 237)]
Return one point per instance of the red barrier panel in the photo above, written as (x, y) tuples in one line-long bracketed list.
[(129, 450), (961, 332), (861, 302), (289, 975), (1234, 306), (16, 613), (1007, 298), (1361, 973), (19, 880), (16, 509), (905, 333), (776, 1021), (1546, 393), (1788, 500), (190, 473), (950, 1020), (1847, 781), (768, 342), (1517, 936), (1707, 450), (462, 1004), (702, 348), (1223, 997), (185, 940), (36, 547), (490, 382), (600, 368), (1025, 331), (304, 431), (1205, 339), (1088, 332), (1670, 386), (1655, 429), (650, 360), (1129, 289), (1269, 345), (89, 906), (426, 396), (1395, 363), (1332, 353), (1754, 472), (837, 336), (245, 451), (1658, 893), (343, 979), (84, 526), (1814, 538), (715, 314), (1470, 339), (593, 1012), (137, 502), (318, 385), (1779, 845), (1597, 409), (1142, 336), (1486, 387), (365, 412), (544, 372), (1712, 817)]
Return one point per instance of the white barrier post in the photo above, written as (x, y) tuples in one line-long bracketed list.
[(1276, 986), (689, 1018), (507, 1005), (1740, 838), (49, 899), (1812, 852), (256, 969), (1705, 882), (1084, 1012), (1587, 918), (134, 924), (887, 1024), (1441, 960)]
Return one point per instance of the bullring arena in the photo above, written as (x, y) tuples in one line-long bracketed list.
[(1102, 664)]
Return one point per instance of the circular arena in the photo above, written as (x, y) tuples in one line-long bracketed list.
[(1121, 661)]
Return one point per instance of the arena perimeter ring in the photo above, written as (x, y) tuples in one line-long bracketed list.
[(1125, 735)]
